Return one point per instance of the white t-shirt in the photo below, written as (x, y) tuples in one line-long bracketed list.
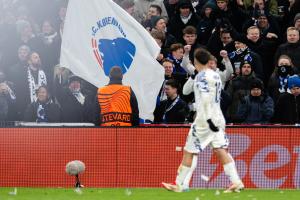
[(207, 87)]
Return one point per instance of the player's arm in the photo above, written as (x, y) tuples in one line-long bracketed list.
[(188, 86)]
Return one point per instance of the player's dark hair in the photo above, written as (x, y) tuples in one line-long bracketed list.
[(202, 56)]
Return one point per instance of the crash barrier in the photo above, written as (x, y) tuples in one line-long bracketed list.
[(266, 157)]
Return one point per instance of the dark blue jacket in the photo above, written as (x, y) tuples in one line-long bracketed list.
[(287, 109), (256, 109)]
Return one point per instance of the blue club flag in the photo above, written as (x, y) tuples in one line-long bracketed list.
[(99, 35)]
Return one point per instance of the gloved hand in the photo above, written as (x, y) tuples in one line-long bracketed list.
[(212, 126), (194, 75)]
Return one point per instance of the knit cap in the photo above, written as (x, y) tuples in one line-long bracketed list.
[(293, 81)]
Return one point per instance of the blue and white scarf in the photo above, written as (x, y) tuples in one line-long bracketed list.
[(283, 84), (41, 113)]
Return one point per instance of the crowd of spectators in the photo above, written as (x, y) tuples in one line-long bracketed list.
[(34, 87), (254, 44)]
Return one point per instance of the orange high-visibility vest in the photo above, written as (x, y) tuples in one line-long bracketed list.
[(114, 101)]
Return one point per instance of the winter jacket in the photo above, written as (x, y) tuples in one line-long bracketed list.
[(175, 26), (250, 56), (287, 109), (238, 88), (72, 109), (255, 109), (274, 85), (176, 114), (52, 112), (266, 48), (7, 108)]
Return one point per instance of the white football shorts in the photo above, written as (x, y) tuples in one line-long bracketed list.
[(199, 138)]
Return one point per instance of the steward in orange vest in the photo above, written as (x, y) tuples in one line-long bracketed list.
[(117, 104)]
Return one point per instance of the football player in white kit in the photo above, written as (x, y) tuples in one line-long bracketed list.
[(208, 127)]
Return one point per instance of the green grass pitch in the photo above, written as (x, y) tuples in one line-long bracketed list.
[(144, 194)]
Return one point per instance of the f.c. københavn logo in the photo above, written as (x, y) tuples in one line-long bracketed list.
[(117, 51)]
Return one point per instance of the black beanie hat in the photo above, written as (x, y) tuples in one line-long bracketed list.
[(256, 83), (154, 20)]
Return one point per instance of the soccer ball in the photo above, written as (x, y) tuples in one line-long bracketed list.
[(75, 167)]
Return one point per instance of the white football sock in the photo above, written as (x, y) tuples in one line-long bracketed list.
[(181, 174), (186, 182), (230, 156), (231, 171)]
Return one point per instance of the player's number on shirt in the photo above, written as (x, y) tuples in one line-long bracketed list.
[(218, 91), (202, 83)]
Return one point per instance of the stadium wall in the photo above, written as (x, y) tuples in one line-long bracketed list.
[(266, 157)]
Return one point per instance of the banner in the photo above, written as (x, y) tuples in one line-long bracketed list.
[(265, 158), (99, 35), (144, 157)]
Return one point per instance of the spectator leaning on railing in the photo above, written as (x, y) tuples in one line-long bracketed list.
[(278, 81), (43, 109), (287, 109), (173, 109), (239, 87), (74, 100), (7, 100), (257, 107)]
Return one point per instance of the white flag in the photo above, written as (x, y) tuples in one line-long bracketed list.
[(99, 35)]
